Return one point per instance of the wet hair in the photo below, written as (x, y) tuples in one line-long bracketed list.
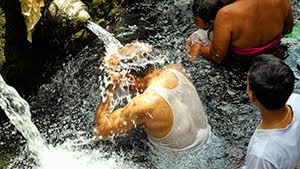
[(137, 67), (206, 9), (271, 80)]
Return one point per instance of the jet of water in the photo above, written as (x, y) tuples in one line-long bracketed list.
[(18, 111), (111, 43)]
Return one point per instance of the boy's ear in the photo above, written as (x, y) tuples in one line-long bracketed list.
[(131, 77), (251, 96)]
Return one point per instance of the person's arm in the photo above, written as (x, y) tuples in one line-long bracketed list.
[(289, 22), (219, 47), (108, 123)]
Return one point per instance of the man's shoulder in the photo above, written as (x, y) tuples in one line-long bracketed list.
[(269, 154), (148, 98), (229, 9)]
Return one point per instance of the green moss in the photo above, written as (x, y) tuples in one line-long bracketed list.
[(3, 164), (4, 159), (77, 41), (79, 35), (103, 10), (2, 34)]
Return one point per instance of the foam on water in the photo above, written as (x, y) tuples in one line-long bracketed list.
[(66, 157)]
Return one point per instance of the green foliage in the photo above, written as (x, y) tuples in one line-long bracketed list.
[(103, 10), (295, 33), (3, 164), (2, 34), (5, 158)]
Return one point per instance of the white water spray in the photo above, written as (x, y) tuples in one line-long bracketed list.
[(67, 155), (115, 52), (18, 111)]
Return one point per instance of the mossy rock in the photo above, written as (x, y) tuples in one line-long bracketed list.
[(102, 12)]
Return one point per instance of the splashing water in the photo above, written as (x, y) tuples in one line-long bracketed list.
[(182, 2), (116, 51), (70, 154)]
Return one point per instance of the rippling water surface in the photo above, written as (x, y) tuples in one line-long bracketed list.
[(63, 110)]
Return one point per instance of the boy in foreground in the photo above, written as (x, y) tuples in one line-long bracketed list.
[(276, 141)]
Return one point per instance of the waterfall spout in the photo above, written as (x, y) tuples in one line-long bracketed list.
[(18, 111), (111, 43), (68, 13)]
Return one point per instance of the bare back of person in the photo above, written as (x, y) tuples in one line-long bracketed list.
[(256, 22), (161, 115), (245, 27)]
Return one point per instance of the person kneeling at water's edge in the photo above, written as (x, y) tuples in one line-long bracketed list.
[(168, 108), (244, 28)]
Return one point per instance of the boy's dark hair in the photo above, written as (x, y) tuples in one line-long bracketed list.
[(271, 80), (206, 9)]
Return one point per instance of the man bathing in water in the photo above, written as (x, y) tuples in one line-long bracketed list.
[(168, 108)]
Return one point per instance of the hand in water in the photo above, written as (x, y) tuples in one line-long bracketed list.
[(188, 46), (188, 42), (194, 51), (195, 41)]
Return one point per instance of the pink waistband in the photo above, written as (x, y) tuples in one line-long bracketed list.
[(250, 51)]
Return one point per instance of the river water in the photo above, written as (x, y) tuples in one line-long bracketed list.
[(63, 110)]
